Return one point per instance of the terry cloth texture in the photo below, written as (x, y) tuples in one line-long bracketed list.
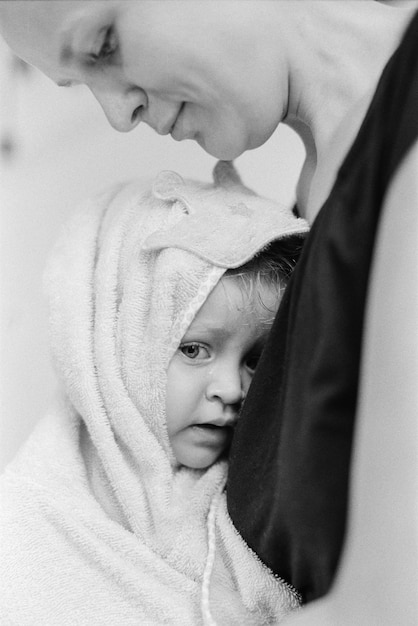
[(99, 524)]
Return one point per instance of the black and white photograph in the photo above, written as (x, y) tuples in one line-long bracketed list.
[(209, 312)]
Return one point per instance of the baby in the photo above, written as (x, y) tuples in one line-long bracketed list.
[(114, 512), (210, 372)]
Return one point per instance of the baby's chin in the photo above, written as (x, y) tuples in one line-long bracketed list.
[(199, 463), (203, 464)]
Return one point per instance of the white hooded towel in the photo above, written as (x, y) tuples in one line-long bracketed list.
[(99, 524)]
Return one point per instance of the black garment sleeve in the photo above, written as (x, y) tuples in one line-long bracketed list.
[(290, 458)]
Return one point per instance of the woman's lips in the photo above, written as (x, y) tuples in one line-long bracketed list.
[(178, 130), (164, 127)]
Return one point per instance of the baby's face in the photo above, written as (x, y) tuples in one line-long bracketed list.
[(210, 373)]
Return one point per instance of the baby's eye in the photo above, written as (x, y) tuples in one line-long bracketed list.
[(194, 351), (106, 47), (252, 362)]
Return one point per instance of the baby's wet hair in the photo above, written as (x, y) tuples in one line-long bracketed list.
[(271, 267)]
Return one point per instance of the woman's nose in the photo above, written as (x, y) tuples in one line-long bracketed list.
[(122, 107), (227, 386)]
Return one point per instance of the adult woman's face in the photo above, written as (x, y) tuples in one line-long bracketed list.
[(185, 68)]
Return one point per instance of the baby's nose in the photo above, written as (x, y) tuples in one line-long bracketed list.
[(227, 387)]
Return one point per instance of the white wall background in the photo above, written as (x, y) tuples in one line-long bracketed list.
[(65, 150)]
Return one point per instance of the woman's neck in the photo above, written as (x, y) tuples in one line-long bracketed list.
[(337, 54)]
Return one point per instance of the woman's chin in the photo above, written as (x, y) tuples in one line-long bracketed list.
[(221, 152), (221, 148)]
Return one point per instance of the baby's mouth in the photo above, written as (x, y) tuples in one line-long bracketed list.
[(213, 430), (209, 426)]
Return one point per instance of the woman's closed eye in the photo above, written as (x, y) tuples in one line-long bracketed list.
[(106, 46), (194, 351)]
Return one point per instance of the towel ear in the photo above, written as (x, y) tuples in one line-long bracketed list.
[(168, 186), (225, 174)]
